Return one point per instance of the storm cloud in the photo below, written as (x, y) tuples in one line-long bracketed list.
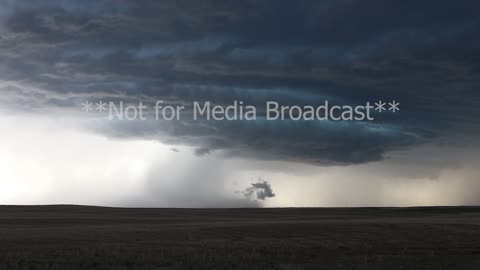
[(57, 54)]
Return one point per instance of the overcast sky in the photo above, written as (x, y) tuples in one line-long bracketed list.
[(57, 54)]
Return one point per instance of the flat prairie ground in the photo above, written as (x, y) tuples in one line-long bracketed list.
[(80, 237)]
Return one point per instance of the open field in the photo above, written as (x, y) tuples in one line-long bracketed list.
[(78, 237)]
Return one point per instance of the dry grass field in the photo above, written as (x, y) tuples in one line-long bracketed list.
[(80, 237)]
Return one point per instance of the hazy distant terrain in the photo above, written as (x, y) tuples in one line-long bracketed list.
[(77, 237)]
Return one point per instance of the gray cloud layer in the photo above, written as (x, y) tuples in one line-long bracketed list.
[(55, 54)]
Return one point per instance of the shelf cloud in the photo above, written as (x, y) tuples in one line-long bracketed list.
[(58, 54)]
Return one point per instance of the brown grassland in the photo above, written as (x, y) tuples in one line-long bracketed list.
[(81, 237)]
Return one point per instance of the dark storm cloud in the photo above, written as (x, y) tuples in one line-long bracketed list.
[(423, 54)]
